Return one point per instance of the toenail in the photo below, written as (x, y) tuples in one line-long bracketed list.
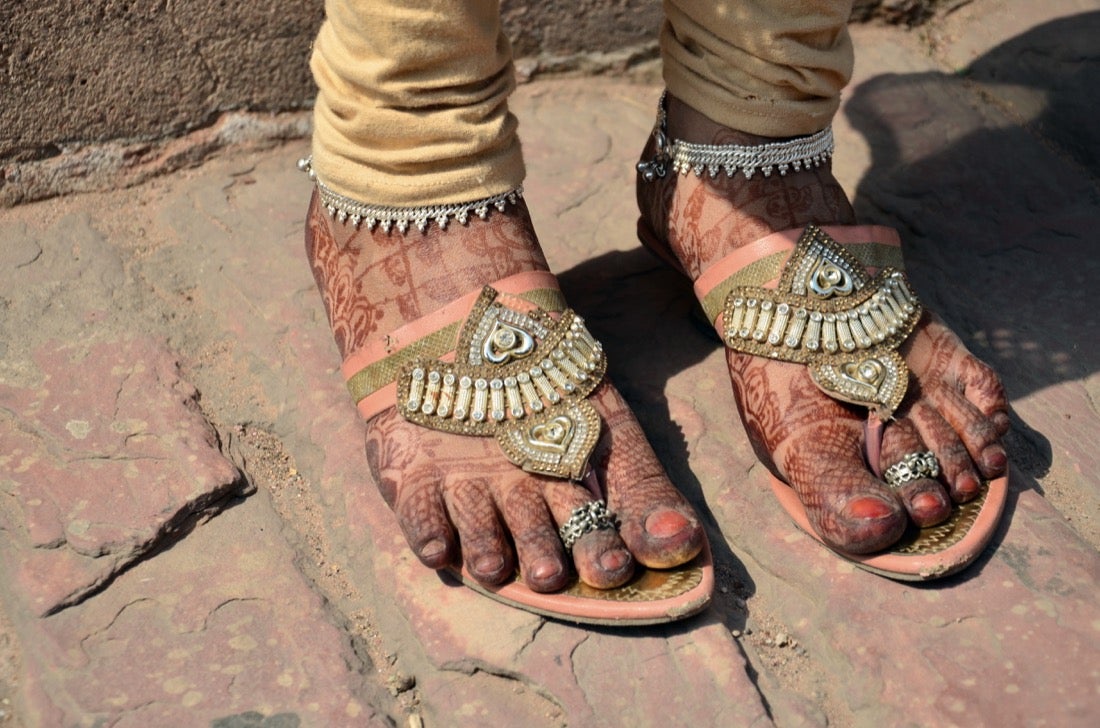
[(665, 523), (545, 568), (867, 509), (925, 502), (967, 486), (994, 458), (432, 549), (614, 560), (489, 564)]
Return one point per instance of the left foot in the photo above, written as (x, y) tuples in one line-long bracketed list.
[(955, 405)]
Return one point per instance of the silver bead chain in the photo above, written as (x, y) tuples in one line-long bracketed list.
[(682, 157), (344, 209)]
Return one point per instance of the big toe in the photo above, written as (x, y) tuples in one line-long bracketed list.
[(657, 524), (668, 537), (863, 523), (848, 507)]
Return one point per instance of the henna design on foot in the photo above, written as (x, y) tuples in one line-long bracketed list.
[(458, 499)]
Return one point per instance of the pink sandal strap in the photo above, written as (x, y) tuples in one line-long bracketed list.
[(371, 371), (760, 263)]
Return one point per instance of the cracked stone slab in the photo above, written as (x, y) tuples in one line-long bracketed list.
[(218, 630), (529, 671), (996, 641), (104, 456)]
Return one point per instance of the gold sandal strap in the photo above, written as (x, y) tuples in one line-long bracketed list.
[(519, 374), (373, 377), (761, 263)]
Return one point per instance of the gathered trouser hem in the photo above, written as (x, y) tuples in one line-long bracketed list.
[(412, 105)]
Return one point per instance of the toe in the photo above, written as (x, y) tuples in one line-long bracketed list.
[(957, 466), (413, 487), (979, 434), (485, 550), (983, 389), (542, 558), (600, 556), (848, 507), (925, 499), (657, 524), (967, 394), (602, 559), (423, 518)]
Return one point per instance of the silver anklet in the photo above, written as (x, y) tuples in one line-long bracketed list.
[(681, 156), (345, 209)]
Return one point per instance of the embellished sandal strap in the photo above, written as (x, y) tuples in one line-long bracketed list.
[(818, 297), (760, 264), (372, 370), (519, 373)]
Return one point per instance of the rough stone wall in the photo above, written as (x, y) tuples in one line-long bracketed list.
[(557, 28), (76, 71)]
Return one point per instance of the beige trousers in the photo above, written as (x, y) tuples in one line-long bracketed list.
[(412, 104)]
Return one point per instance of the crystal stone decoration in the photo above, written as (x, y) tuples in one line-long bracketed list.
[(828, 313), (520, 375)]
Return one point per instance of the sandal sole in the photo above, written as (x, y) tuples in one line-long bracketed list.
[(923, 554)]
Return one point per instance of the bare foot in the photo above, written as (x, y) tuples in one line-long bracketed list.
[(955, 405), (458, 497)]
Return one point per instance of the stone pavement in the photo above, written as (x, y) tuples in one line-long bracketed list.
[(190, 536)]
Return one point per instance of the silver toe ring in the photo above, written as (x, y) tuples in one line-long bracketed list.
[(592, 516), (914, 466)]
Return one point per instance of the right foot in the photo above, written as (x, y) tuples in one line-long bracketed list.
[(458, 498)]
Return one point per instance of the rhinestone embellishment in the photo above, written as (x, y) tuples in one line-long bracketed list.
[(828, 313), (520, 376)]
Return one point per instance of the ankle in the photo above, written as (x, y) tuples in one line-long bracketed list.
[(687, 124), (374, 279), (706, 212)]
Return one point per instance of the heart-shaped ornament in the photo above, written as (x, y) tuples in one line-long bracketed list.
[(868, 372), (553, 436), (557, 442), (876, 380), (827, 279), (505, 342)]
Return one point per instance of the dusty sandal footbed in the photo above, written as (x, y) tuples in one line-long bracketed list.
[(512, 362), (652, 596)]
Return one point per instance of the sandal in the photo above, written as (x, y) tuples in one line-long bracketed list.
[(511, 362), (835, 300)]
